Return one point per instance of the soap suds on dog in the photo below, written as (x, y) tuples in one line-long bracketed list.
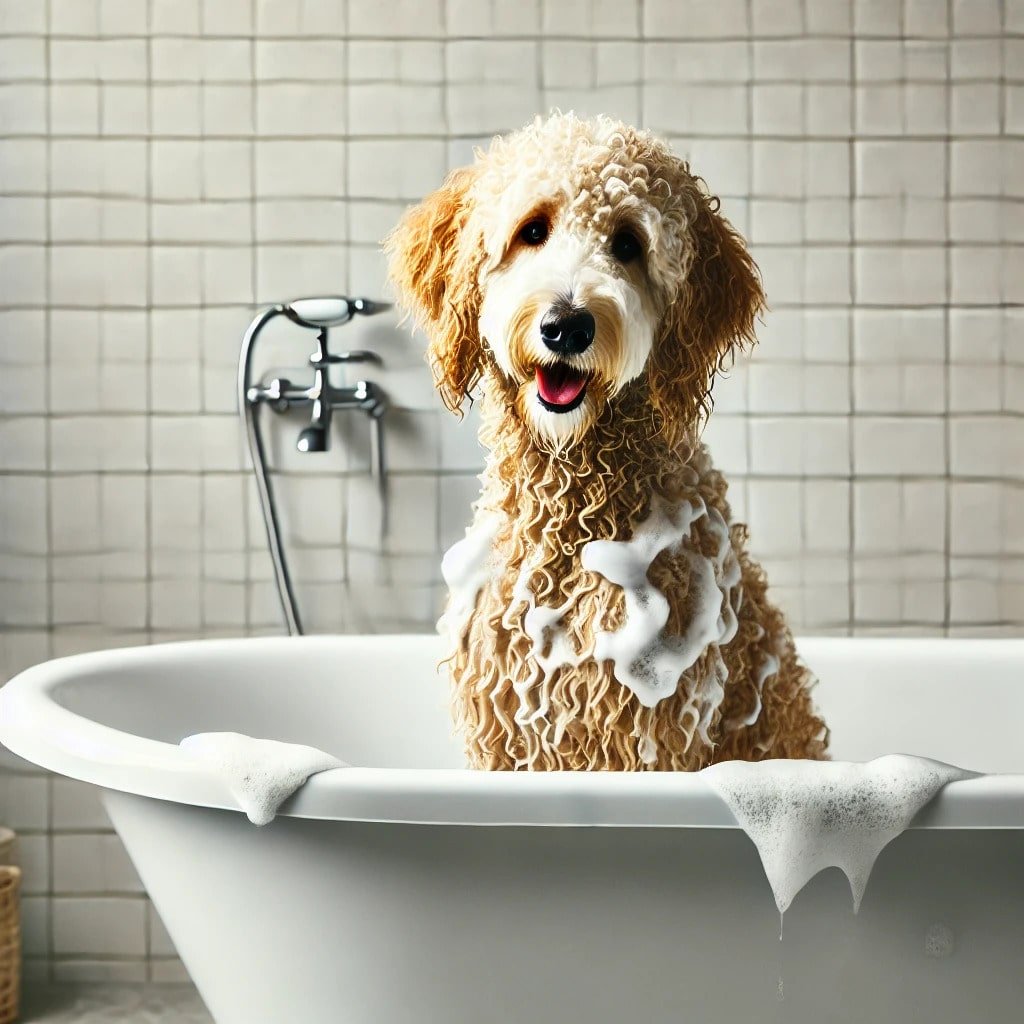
[(261, 774), (805, 816), (645, 660), (466, 567)]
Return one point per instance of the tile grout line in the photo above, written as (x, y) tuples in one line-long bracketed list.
[(851, 333), (947, 511), (48, 405)]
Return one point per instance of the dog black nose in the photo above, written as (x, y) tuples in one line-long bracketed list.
[(567, 332)]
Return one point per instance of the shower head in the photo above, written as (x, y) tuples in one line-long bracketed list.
[(313, 439), (331, 311)]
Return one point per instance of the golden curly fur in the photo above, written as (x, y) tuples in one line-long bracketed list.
[(528, 690)]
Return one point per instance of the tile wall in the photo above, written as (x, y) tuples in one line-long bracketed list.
[(168, 166)]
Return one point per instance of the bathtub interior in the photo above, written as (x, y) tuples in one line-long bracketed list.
[(376, 702), (381, 701)]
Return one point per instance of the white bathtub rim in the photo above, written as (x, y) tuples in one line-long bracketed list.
[(36, 728)]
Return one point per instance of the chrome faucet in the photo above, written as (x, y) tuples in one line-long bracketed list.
[(280, 394)]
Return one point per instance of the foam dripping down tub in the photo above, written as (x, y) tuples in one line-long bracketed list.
[(408, 889)]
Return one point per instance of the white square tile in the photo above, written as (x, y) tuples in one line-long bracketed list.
[(177, 59), (23, 505), (900, 167), (976, 17), (876, 17), (798, 446), (978, 274), (926, 18), (774, 513), (985, 446), (396, 109), (228, 109), (977, 167), (23, 58), (899, 276), (177, 274), (977, 335), (74, 109), (113, 926), (827, 515), (98, 443), (604, 18), (35, 925), (810, 60), (701, 110), (778, 109), (20, 18), (975, 108), (692, 62), (306, 59), (307, 167), (726, 436), (75, 17), (235, 17), (894, 447), (884, 388), (980, 220), (23, 442), (122, 17), (23, 108), (88, 864), (24, 163), (177, 169), (22, 275), (511, 17), (975, 518), (24, 801), (289, 270), (176, 109), (226, 60), (408, 18), (176, 604), (975, 58), (174, 17), (695, 18), (76, 805), (777, 17)]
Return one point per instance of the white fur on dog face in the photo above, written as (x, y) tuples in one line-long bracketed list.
[(574, 265)]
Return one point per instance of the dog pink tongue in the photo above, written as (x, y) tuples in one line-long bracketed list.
[(559, 384)]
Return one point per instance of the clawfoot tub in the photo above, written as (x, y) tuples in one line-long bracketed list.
[(408, 889)]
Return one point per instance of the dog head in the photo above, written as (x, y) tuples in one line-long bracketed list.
[(575, 261)]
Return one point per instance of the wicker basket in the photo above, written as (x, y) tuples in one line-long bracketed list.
[(10, 944), (10, 930), (8, 846)]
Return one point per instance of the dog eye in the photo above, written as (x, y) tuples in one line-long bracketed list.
[(625, 246), (534, 232)]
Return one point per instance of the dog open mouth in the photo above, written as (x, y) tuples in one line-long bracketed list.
[(561, 387)]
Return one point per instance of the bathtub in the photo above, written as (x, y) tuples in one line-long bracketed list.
[(409, 889)]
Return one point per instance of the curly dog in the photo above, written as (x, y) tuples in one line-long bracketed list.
[(603, 610)]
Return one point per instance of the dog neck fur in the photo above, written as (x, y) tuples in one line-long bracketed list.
[(559, 621)]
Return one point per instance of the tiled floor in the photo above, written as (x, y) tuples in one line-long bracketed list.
[(116, 1004)]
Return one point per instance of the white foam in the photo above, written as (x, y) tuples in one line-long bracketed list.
[(644, 659), (261, 774), (805, 816), (466, 567)]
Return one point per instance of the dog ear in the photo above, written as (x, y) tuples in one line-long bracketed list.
[(713, 316), (433, 267)]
